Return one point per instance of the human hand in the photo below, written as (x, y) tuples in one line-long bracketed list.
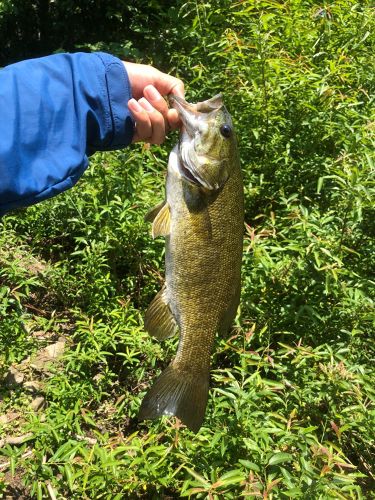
[(153, 118)]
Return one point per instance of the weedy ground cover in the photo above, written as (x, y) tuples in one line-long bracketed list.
[(291, 409)]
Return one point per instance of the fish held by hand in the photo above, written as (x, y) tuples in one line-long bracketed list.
[(202, 221)]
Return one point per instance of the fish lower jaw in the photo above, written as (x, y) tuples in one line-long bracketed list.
[(189, 176), (176, 166)]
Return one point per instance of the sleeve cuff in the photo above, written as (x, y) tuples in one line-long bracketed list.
[(119, 93)]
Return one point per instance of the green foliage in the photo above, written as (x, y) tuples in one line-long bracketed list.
[(33, 28), (291, 412)]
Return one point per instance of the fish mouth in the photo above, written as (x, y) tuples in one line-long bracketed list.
[(187, 112), (191, 176), (207, 106), (192, 116), (191, 113), (189, 117), (187, 167), (188, 175)]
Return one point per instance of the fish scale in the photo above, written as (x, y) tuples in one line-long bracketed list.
[(203, 226)]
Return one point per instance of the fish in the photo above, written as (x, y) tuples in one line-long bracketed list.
[(202, 220)]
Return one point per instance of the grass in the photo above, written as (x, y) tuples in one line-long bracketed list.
[(291, 408)]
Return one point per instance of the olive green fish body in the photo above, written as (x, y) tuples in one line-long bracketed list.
[(203, 264), (203, 224)]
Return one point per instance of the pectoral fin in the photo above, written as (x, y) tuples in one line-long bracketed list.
[(160, 216), (159, 320), (153, 212)]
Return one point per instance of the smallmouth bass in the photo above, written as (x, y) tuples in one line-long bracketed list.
[(202, 220)]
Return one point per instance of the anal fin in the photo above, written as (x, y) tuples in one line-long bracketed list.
[(159, 320), (230, 314)]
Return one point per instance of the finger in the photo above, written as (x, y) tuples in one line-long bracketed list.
[(178, 89), (158, 128), (174, 119), (156, 100), (143, 129), (171, 116), (167, 84), (157, 122), (146, 105), (141, 75)]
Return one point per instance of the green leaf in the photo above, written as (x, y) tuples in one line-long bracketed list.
[(231, 477), (279, 458), (200, 479), (249, 465)]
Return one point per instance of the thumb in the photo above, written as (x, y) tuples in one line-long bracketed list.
[(167, 84)]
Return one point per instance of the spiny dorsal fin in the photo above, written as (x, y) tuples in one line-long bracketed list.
[(159, 320), (162, 222)]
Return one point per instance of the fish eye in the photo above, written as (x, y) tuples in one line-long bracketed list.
[(226, 130)]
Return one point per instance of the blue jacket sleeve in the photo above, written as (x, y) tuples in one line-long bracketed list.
[(54, 112)]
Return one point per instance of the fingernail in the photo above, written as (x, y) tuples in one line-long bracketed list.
[(146, 105), (151, 93), (134, 104)]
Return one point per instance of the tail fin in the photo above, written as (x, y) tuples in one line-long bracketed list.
[(178, 393)]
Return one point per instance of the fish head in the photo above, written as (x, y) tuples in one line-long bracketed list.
[(207, 143)]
